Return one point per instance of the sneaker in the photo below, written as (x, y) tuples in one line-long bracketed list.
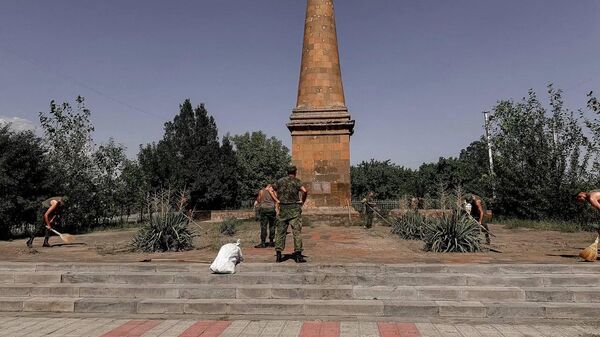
[(278, 257), (271, 244), (261, 245)]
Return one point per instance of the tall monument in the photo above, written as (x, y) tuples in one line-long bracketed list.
[(320, 124)]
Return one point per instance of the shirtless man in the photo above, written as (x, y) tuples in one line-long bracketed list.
[(593, 197), (53, 208), (478, 213)]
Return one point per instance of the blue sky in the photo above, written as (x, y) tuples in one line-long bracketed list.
[(417, 74)]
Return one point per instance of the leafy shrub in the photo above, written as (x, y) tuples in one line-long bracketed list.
[(409, 226), (165, 232), (456, 233), (230, 226)]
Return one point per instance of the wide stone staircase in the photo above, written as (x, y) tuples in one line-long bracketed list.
[(271, 291)]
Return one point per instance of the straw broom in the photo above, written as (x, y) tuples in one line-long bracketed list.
[(67, 238), (590, 254)]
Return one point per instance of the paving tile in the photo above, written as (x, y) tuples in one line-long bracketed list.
[(91, 327), (58, 324), (488, 331), (8, 322), (21, 324), (254, 329), (320, 329), (467, 330), (427, 330), (447, 330), (571, 331), (528, 330), (31, 328), (588, 329), (508, 330), (350, 329), (272, 329), (291, 329), (235, 329), (549, 330), (178, 328), (161, 328)]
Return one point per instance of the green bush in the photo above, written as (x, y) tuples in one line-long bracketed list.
[(230, 226), (455, 233), (409, 226), (165, 232)]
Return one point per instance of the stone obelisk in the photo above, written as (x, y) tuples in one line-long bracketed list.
[(320, 124)]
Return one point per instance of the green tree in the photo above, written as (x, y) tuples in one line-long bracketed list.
[(24, 178), (68, 136), (109, 160), (539, 156), (261, 160), (191, 157), (385, 178), (134, 189)]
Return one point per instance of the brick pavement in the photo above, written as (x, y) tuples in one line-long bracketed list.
[(107, 327)]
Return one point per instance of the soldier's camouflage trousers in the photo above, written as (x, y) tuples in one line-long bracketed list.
[(289, 215), (268, 221)]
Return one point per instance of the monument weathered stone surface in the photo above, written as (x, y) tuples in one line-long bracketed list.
[(320, 124)]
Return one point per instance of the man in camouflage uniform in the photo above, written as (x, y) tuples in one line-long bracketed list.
[(287, 191), (369, 205), (266, 201)]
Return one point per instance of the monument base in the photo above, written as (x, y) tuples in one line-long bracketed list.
[(332, 216)]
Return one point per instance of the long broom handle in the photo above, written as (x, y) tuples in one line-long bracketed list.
[(480, 225), (56, 232), (470, 216), (381, 216)]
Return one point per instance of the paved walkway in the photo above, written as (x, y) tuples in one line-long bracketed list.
[(107, 327)]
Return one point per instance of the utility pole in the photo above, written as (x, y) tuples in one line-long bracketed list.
[(486, 118)]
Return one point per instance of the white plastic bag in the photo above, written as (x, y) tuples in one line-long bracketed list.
[(229, 256)]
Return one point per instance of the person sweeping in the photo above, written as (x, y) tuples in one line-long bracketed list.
[(593, 197), (53, 209), (477, 209), (369, 207)]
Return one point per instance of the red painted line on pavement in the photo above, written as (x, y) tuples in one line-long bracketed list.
[(388, 330), (216, 329), (320, 329), (398, 330), (206, 329), (132, 329), (143, 328)]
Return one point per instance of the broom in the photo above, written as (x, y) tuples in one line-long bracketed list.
[(590, 254), (67, 238)]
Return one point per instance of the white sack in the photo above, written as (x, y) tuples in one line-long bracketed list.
[(229, 256)]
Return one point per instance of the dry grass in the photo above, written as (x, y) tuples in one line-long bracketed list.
[(211, 237)]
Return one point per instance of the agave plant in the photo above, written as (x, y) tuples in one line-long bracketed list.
[(409, 226), (165, 232), (456, 233), (168, 228)]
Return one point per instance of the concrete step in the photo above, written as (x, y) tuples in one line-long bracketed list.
[(297, 278), (299, 308), (352, 268), (313, 292)]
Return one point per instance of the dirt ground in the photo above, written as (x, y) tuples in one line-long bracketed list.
[(322, 244)]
